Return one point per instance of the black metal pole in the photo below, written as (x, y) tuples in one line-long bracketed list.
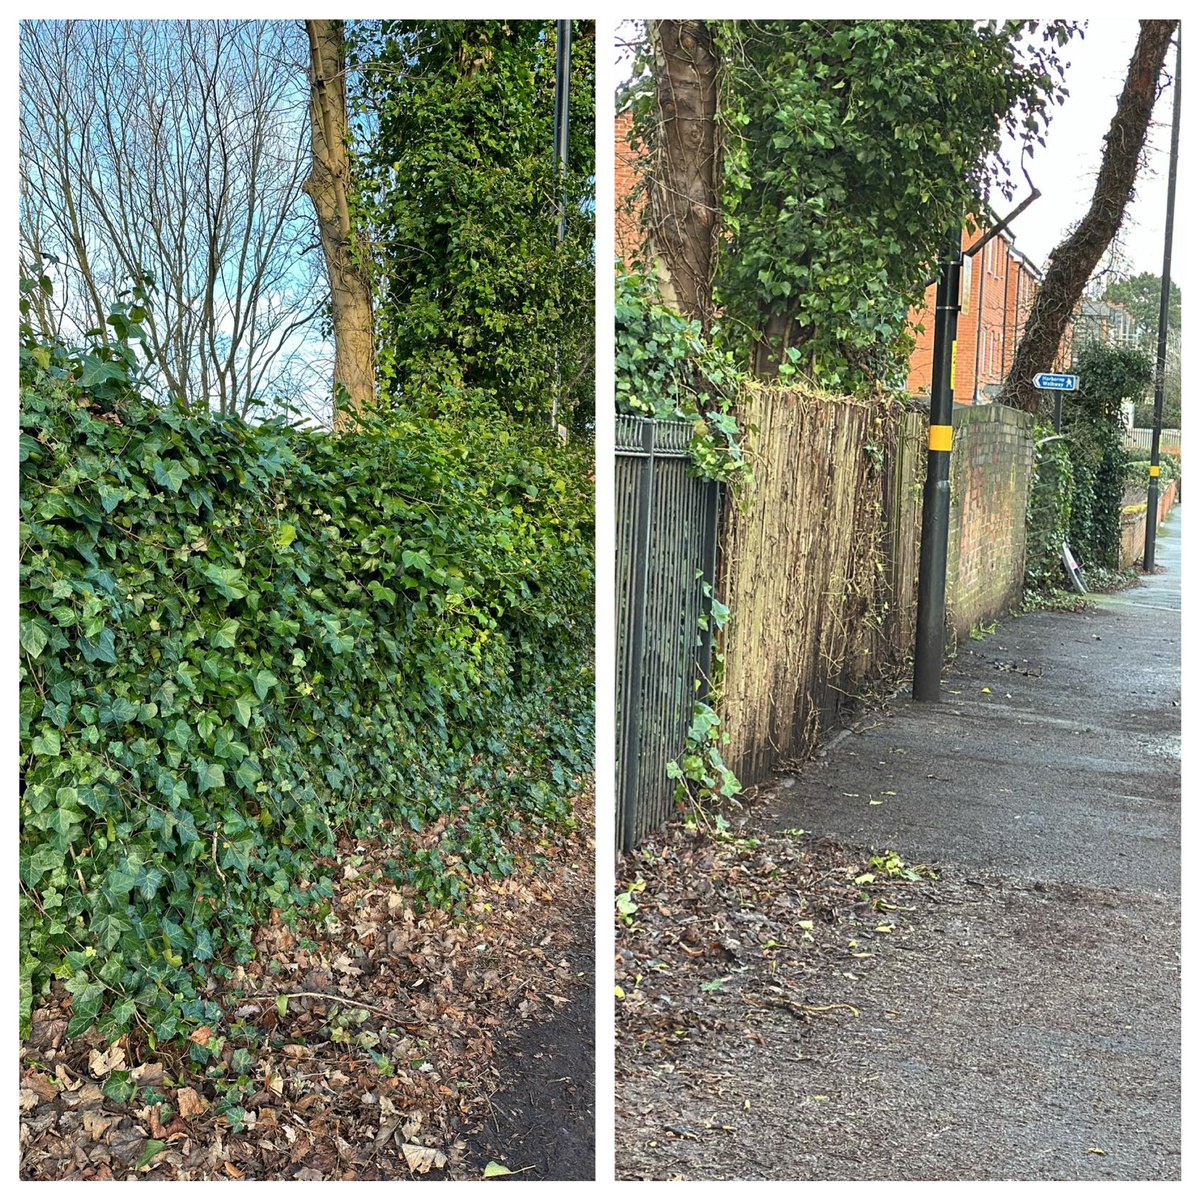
[(1164, 311), (935, 512), (562, 114), (562, 121)]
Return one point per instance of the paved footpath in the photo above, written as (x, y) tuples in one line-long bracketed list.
[(1029, 1028)]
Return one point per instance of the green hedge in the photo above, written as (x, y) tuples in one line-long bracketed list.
[(238, 642), (1137, 470)]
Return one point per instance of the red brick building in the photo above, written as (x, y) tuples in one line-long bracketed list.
[(999, 287), (629, 196)]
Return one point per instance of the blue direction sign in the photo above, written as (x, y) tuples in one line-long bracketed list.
[(1056, 383)]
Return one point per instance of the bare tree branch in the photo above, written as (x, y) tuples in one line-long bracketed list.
[(178, 149)]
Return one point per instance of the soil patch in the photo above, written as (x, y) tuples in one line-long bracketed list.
[(541, 1123)]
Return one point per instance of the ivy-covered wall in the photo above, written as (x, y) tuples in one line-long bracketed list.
[(240, 642)]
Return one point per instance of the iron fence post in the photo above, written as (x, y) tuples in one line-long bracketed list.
[(632, 734), (708, 560)]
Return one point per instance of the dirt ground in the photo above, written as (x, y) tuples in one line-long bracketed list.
[(543, 1117), (384, 1044)]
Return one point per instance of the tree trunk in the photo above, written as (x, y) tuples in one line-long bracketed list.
[(683, 203), (328, 186), (1074, 259)]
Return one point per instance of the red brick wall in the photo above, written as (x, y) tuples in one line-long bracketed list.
[(990, 471)]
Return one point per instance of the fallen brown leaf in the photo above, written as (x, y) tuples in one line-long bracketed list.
[(421, 1159), (148, 1074), (41, 1084), (189, 1102), (103, 1062)]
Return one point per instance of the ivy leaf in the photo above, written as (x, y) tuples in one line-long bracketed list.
[(228, 580), (101, 648), (110, 497), (243, 707), (33, 638), (247, 774), (119, 1089), (264, 680), (153, 1147), (109, 929), (225, 635), (170, 474), (48, 743), (97, 372), (120, 711), (35, 865), (209, 775), (202, 946), (86, 1003)]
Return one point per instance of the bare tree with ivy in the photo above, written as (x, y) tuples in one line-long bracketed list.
[(329, 187), (836, 175), (684, 207), (1073, 260)]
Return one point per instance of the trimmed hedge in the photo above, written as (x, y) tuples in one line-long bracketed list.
[(1137, 470), (238, 642)]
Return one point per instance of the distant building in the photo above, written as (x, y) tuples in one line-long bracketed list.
[(1108, 324), (629, 193)]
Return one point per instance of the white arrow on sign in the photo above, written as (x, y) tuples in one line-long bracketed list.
[(1056, 383)]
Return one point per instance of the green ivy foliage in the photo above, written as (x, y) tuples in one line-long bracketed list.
[(1048, 518), (852, 150), (665, 368), (1092, 418), (1109, 375), (238, 641), (478, 307)]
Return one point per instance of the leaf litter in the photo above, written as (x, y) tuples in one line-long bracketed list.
[(359, 1047), (726, 927)]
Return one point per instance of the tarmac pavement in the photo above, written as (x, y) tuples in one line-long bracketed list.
[(1030, 1029)]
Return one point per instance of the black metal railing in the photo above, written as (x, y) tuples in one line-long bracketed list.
[(666, 564)]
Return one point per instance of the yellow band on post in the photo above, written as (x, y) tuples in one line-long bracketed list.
[(940, 437), (1154, 470)]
